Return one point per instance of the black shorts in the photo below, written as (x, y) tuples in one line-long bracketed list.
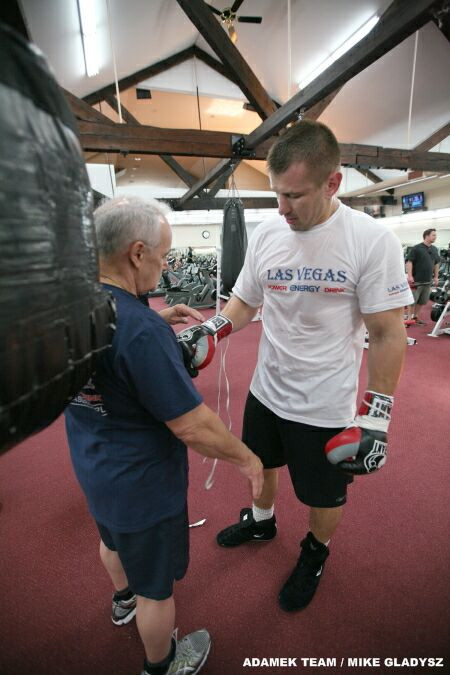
[(153, 558), (277, 442)]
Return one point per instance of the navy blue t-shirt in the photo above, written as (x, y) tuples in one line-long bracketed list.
[(132, 468)]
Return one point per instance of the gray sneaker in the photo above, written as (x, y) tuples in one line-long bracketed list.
[(123, 610), (191, 653)]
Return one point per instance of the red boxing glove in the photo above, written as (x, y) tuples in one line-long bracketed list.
[(362, 447), (199, 342)]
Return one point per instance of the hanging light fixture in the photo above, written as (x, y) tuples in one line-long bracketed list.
[(231, 30)]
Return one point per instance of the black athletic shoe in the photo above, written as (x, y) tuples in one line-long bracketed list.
[(299, 589), (247, 529)]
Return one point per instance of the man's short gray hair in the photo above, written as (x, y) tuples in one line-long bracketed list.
[(123, 220)]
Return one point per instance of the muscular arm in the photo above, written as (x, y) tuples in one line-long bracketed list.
[(204, 432), (387, 340), (239, 313)]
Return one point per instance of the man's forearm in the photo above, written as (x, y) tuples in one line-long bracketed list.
[(385, 361), (239, 313), (204, 432), (387, 346)]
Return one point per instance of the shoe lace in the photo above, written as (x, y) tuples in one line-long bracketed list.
[(184, 656)]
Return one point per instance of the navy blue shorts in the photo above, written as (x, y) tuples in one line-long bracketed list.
[(153, 558), (278, 442)]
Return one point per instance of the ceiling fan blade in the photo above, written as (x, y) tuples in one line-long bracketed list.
[(250, 19), (216, 11), (235, 6)]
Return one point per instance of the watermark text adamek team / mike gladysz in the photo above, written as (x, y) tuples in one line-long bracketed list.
[(344, 662)]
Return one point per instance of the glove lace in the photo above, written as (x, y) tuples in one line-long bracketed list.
[(379, 405)]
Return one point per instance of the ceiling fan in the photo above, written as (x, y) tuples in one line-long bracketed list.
[(229, 15)]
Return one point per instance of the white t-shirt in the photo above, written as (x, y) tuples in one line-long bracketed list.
[(314, 287)]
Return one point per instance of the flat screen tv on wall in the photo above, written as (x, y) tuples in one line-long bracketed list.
[(413, 202)]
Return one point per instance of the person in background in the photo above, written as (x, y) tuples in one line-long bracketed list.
[(323, 272), (422, 267), (128, 430)]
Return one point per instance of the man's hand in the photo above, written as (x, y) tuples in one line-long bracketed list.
[(204, 432), (362, 447), (180, 314), (254, 471), (199, 342)]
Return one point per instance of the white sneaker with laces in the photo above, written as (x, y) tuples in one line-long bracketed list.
[(122, 611), (191, 653)]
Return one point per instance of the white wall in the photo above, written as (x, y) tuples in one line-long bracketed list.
[(191, 235), (102, 178), (410, 227), (187, 226)]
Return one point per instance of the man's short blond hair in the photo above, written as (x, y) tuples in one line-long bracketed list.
[(312, 143)]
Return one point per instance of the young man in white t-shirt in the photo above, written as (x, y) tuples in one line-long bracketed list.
[(323, 273)]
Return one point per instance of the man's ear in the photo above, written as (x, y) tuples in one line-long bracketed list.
[(333, 183), (136, 253)]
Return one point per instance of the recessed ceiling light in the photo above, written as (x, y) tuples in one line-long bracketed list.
[(137, 159)]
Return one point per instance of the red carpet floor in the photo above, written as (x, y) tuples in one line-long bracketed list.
[(384, 593)]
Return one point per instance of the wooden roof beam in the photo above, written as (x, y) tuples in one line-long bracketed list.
[(435, 138), (367, 173), (218, 203), (400, 20), (83, 111), (213, 63), (220, 182), (226, 169), (208, 26), (180, 171), (127, 117), (140, 75), (213, 174), (176, 167), (146, 140)]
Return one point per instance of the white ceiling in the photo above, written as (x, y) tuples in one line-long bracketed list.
[(372, 108)]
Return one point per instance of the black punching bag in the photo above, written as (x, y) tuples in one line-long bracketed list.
[(234, 242), (54, 316)]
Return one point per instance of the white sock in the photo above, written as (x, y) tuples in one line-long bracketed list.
[(261, 514)]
